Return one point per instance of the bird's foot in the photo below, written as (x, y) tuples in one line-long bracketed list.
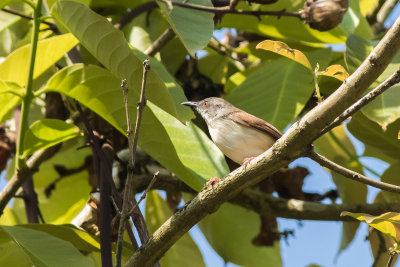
[(247, 161), (213, 181)]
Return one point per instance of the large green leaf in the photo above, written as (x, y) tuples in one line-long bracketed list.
[(284, 28), (70, 194), (193, 27), (275, 91), (185, 150), (109, 46), (78, 238), (385, 109), (380, 143), (46, 133), (184, 252), (337, 146), (230, 232), (15, 66), (44, 249), (8, 100)]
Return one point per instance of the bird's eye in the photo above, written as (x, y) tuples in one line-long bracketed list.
[(205, 104)]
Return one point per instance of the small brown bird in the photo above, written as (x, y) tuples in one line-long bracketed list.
[(238, 134)]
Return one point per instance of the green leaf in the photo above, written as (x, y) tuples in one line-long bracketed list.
[(37, 245), (185, 150), (230, 232), (214, 66), (275, 91), (8, 100), (385, 109), (391, 176), (109, 46), (193, 27), (337, 147), (184, 252), (46, 133), (284, 28), (388, 223), (70, 193), (15, 66), (381, 143), (78, 238)]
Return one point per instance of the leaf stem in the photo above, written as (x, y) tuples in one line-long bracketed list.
[(27, 100)]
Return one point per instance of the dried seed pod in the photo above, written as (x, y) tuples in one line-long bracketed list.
[(324, 15)]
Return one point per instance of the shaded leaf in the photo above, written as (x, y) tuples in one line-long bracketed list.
[(46, 133), (388, 223), (15, 66), (284, 50), (36, 246), (275, 91), (193, 27), (184, 252), (379, 142), (385, 109), (391, 176)]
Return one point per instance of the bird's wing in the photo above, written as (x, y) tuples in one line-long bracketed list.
[(257, 123)]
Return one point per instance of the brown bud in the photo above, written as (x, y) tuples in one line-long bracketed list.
[(324, 15)]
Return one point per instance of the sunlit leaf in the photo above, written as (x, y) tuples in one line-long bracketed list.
[(46, 133), (284, 50), (335, 71), (15, 66), (8, 100), (109, 46), (36, 245), (184, 252), (388, 223)]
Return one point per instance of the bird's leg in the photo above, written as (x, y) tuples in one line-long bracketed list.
[(247, 160)]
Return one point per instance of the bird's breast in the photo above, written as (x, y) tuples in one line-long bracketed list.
[(238, 142)]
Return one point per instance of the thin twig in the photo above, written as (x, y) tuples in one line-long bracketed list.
[(145, 7), (389, 82), (51, 25), (351, 174), (132, 142), (145, 192), (162, 40), (228, 10), (391, 257)]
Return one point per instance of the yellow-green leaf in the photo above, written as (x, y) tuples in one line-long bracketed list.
[(49, 51), (335, 71), (284, 50)]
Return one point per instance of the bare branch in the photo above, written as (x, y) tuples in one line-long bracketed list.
[(352, 174), (145, 192), (162, 40), (132, 142)]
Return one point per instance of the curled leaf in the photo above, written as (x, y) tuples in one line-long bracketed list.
[(284, 50), (335, 71)]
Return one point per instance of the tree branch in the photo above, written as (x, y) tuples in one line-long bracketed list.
[(352, 174), (228, 10), (389, 82), (164, 38), (16, 13), (291, 145), (268, 205)]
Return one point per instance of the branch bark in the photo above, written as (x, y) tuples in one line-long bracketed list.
[(293, 144)]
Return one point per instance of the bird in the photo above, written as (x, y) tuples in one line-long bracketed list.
[(239, 135)]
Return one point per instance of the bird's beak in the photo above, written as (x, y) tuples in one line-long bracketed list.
[(190, 104)]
